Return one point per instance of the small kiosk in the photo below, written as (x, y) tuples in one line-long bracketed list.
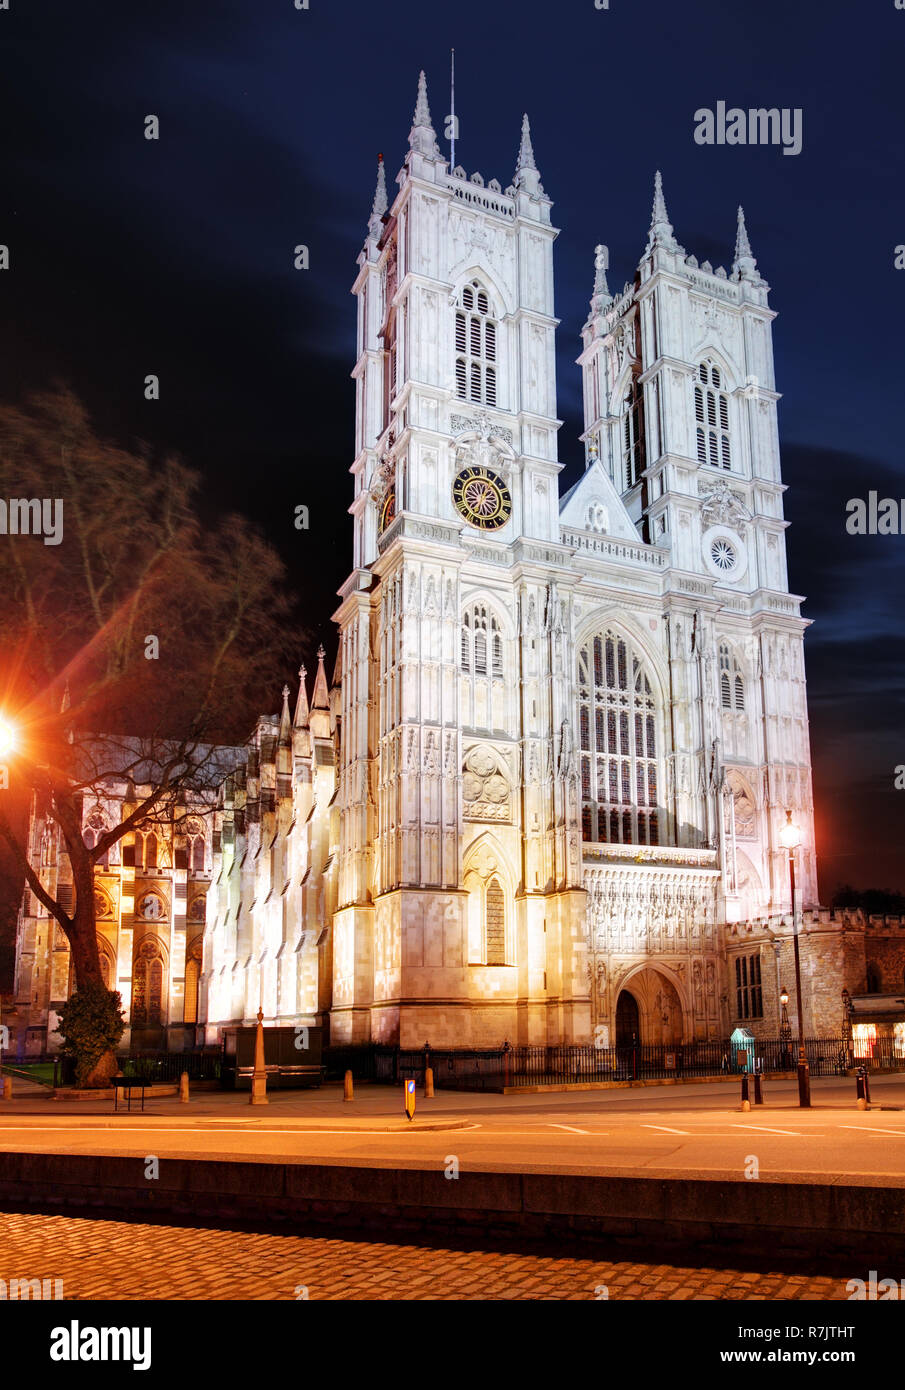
[(741, 1046)]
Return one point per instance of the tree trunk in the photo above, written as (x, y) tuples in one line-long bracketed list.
[(82, 933), (100, 1074)]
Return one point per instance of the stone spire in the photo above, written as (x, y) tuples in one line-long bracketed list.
[(661, 232), (423, 137), (526, 173), (375, 222), (319, 719), (284, 748), (301, 705), (285, 736), (320, 698), (744, 266)]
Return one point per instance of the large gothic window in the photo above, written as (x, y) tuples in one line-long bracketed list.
[(476, 347), (711, 412), (617, 727), (148, 984)]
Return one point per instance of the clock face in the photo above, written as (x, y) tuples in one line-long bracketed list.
[(388, 510), (482, 498)]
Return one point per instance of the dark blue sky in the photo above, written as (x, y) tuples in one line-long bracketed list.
[(175, 257)]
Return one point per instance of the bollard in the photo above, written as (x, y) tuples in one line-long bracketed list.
[(7, 1088), (348, 1089), (259, 1075), (429, 1083), (758, 1089), (184, 1088), (746, 1104), (862, 1088)]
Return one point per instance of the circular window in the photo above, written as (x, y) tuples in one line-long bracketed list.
[(724, 553)]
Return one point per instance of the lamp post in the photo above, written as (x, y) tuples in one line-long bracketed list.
[(785, 1028), (790, 836), (848, 1009)]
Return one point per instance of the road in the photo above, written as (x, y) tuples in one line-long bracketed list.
[(690, 1130)]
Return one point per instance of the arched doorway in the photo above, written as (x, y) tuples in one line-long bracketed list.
[(628, 1021), (652, 1008)]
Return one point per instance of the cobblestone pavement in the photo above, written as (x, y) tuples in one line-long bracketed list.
[(99, 1259)]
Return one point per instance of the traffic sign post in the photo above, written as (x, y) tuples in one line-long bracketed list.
[(409, 1089)]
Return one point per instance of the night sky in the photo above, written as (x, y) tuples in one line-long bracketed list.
[(174, 257)]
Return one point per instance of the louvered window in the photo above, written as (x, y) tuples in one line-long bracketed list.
[(732, 682), (476, 347), (711, 411), (634, 459)]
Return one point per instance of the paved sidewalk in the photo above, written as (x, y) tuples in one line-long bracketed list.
[(99, 1259)]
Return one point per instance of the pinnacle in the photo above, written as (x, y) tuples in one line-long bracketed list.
[(379, 207), (301, 707), (661, 231), (601, 266), (422, 136), (742, 244), (526, 149), (380, 194), (659, 215), (422, 110)]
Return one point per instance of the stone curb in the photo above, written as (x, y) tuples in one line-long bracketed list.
[(757, 1217)]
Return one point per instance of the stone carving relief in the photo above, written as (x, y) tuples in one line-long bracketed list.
[(486, 792), (463, 424), (745, 807), (722, 506)]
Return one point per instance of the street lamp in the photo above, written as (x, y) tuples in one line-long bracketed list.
[(790, 836), (848, 1009), (785, 1028)]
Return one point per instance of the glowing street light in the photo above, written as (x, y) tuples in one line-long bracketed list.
[(790, 835), (7, 737)]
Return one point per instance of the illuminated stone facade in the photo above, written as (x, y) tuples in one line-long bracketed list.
[(541, 800)]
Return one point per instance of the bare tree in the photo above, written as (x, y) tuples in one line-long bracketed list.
[(131, 651)]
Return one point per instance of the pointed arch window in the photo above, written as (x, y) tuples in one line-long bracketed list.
[(148, 985), (482, 643), (711, 413), (620, 776), (494, 924), (732, 681), (634, 453), (192, 980), (476, 347)]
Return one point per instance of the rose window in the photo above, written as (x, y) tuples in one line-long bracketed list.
[(722, 553)]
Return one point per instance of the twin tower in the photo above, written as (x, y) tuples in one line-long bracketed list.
[(569, 728)]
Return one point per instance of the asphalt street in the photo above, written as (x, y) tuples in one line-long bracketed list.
[(695, 1130)]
